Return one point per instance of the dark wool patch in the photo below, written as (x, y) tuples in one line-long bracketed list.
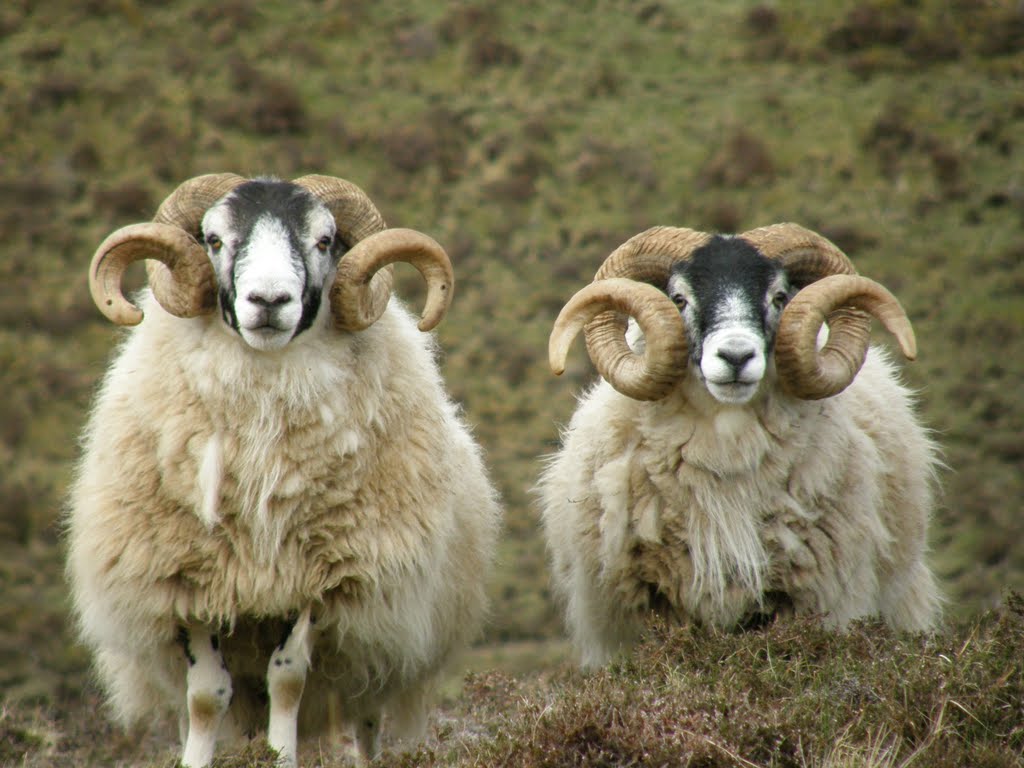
[(227, 305), (310, 307), (183, 641), (728, 264), (253, 199)]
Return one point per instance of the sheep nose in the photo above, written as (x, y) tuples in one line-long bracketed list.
[(736, 358), (268, 300)]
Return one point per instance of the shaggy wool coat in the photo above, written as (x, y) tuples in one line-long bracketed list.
[(229, 488), (718, 513)]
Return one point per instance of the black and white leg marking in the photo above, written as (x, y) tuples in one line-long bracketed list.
[(208, 695), (286, 679)]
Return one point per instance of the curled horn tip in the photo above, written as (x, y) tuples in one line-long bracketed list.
[(557, 364), (558, 351), (910, 349), (577, 312)]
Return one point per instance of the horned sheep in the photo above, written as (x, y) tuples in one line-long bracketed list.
[(737, 461), (277, 503)]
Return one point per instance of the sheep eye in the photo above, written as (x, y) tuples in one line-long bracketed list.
[(323, 244), (679, 300), (214, 242), (780, 299)]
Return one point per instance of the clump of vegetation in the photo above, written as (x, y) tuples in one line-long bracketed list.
[(743, 159), (880, 35), (787, 696)]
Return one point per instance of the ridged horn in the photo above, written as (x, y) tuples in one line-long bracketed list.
[(355, 215), (804, 254), (845, 301), (354, 308), (830, 292), (353, 301), (643, 377), (646, 258), (180, 274)]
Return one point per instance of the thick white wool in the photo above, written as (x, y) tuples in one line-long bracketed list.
[(232, 488)]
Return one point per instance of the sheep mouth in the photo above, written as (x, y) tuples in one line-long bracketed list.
[(733, 392), (266, 337), (266, 325), (267, 329)]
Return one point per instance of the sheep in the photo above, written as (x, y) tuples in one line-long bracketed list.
[(731, 465), (276, 498)]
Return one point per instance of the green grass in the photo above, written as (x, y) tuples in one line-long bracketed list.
[(530, 139)]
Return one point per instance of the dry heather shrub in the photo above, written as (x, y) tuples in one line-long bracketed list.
[(741, 160), (789, 695)]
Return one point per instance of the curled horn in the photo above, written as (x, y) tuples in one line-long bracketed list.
[(180, 274), (642, 377), (362, 288), (832, 292), (644, 260)]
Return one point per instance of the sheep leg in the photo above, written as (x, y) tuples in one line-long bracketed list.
[(367, 738), (208, 694), (286, 679)]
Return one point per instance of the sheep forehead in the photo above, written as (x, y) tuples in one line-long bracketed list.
[(298, 211), (272, 223), (270, 245), (726, 281)]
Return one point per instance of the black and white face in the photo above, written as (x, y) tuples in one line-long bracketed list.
[(273, 245), (731, 298)]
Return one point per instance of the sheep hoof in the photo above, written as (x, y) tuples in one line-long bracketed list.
[(367, 746)]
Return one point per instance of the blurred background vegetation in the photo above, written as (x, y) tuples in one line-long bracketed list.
[(530, 139)]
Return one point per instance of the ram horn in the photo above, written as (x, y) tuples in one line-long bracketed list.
[(643, 377), (830, 292), (646, 258), (844, 301), (353, 301), (180, 274), (362, 289), (805, 255)]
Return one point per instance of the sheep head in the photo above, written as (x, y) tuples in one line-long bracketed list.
[(807, 281), (194, 255)]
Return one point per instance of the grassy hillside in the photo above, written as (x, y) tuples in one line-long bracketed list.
[(530, 139)]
